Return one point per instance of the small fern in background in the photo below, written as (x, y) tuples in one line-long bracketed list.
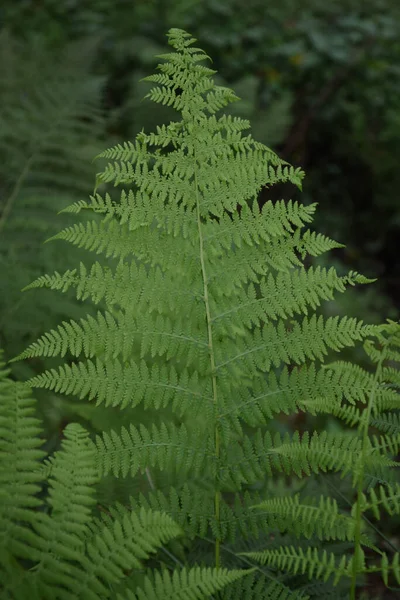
[(209, 319), (51, 124), (367, 465)]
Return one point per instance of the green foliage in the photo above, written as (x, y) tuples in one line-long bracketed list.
[(365, 462), (51, 123), (58, 548), (193, 584), (20, 454), (210, 313)]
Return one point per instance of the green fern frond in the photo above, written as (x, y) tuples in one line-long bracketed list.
[(308, 518), (51, 123), (120, 545), (321, 452), (385, 396), (316, 244), (114, 384), (273, 345), (72, 477), (186, 584), (20, 474), (388, 423), (98, 337), (313, 562), (387, 498), (167, 447), (257, 586), (73, 474)]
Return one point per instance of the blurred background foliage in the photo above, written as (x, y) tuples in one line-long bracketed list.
[(320, 82)]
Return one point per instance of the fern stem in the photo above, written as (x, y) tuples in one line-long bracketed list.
[(217, 497), (364, 427)]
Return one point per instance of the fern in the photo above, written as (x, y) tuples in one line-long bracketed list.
[(60, 549), (369, 457), (21, 479), (212, 316), (51, 124), (185, 585)]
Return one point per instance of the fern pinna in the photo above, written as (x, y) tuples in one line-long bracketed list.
[(208, 312)]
